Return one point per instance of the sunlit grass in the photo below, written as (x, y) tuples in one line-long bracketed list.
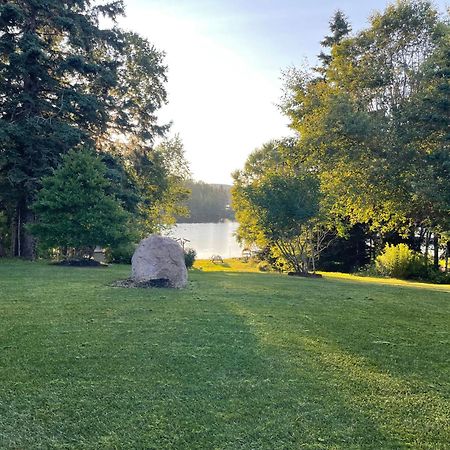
[(386, 281), (239, 265), (236, 361), (228, 265)]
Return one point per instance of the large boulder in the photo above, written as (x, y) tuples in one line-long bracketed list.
[(159, 258)]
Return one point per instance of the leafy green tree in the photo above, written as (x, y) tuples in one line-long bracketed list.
[(428, 141), (259, 162), (356, 130), (74, 210), (161, 175), (278, 206), (284, 207)]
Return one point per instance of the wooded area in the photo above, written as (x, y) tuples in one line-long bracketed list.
[(371, 151), (68, 83)]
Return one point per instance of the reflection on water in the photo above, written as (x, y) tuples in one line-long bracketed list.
[(209, 239)]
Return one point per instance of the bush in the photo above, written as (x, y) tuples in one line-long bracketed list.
[(189, 257), (264, 266), (399, 261), (120, 254), (436, 276)]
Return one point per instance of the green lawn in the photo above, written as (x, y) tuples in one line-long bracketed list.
[(236, 361)]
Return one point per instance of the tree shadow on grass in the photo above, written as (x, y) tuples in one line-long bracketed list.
[(182, 374), (354, 403)]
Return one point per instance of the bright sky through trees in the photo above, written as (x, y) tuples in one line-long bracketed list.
[(225, 59)]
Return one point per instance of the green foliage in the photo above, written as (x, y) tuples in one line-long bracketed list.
[(139, 91), (74, 209), (189, 257), (271, 157), (375, 128), (278, 205), (120, 253), (346, 253), (282, 204), (123, 183), (399, 261), (43, 45), (207, 203), (64, 81), (160, 175), (429, 140)]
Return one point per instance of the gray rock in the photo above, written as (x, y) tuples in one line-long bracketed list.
[(159, 258)]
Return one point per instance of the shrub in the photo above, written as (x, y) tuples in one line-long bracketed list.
[(399, 261), (189, 257), (436, 276), (120, 254), (264, 266)]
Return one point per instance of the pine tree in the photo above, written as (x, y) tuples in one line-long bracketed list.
[(51, 79), (75, 209), (66, 81), (340, 28)]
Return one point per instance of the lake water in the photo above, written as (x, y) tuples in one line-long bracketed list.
[(209, 239)]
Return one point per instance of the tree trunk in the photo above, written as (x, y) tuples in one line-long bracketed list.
[(447, 254), (312, 252), (427, 246), (28, 241), (13, 227), (24, 244), (436, 251)]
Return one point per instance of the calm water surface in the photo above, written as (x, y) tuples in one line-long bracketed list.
[(209, 238)]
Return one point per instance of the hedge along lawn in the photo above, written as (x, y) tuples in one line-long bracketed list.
[(236, 361)]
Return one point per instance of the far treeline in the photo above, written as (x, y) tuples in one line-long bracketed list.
[(207, 203), (368, 169)]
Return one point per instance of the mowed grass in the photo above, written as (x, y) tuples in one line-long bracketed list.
[(236, 361)]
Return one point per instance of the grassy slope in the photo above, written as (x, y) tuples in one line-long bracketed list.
[(237, 361)]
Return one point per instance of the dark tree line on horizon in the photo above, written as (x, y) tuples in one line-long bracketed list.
[(207, 203)]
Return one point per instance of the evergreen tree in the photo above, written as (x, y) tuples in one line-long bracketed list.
[(64, 80), (75, 210), (340, 28), (49, 76)]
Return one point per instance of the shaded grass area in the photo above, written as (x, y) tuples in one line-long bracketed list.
[(236, 361)]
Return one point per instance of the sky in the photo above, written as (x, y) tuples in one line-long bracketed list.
[(225, 59)]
